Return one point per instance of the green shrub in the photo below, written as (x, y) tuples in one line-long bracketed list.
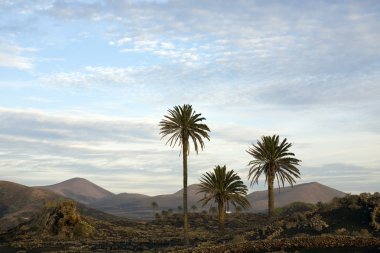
[(238, 239), (362, 233), (375, 218), (317, 223), (341, 231), (295, 207), (83, 229)]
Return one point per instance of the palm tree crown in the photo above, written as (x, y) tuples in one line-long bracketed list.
[(181, 123), (274, 160), (223, 186)]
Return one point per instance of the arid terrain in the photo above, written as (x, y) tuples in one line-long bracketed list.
[(38, 220)]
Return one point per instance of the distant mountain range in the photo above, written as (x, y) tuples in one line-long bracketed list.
[(17, 199), (139, 205)]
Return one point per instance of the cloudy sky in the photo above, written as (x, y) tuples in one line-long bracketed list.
[(85, 83)]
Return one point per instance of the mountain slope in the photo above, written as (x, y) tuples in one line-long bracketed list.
[(121, 204), (18, 203), (308, 193), (80, 189), (174, 200), (140, 206)]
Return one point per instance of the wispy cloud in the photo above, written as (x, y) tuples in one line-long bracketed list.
[(94, 146), (92, 76), (13, 56)]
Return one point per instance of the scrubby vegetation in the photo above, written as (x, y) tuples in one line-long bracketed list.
[(57, 219), (344, 222)]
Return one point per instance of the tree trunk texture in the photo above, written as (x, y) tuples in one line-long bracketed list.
[(185, 213), (270, 195), (222, 212)]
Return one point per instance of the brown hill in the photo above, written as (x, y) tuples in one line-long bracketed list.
[(18, 203), (80, 189), (308, 193)]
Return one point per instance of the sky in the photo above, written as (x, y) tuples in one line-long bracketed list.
[(85, 83)]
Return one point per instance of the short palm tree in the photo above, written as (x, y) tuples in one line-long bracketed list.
[(165, 213), (223, 186), (181, 124), (273, 159), (154, 206)]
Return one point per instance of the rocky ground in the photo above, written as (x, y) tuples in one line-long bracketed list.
[(59, 227)]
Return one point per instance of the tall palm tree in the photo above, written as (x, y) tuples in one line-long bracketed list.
[(223, 186), (181, 124), (273, 159)]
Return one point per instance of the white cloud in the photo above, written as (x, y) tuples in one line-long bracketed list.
[(176, 50), (92, 76), (123, 41), (253, 34), (15, 61), (167, 45), (138, 80), (12, 56)]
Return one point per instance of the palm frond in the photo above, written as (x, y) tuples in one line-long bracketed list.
[(272, 158), (182, 123), (222, 186)]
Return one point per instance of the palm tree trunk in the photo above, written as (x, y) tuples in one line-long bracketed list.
[(185, 216), (221, 217), (270, 195)]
